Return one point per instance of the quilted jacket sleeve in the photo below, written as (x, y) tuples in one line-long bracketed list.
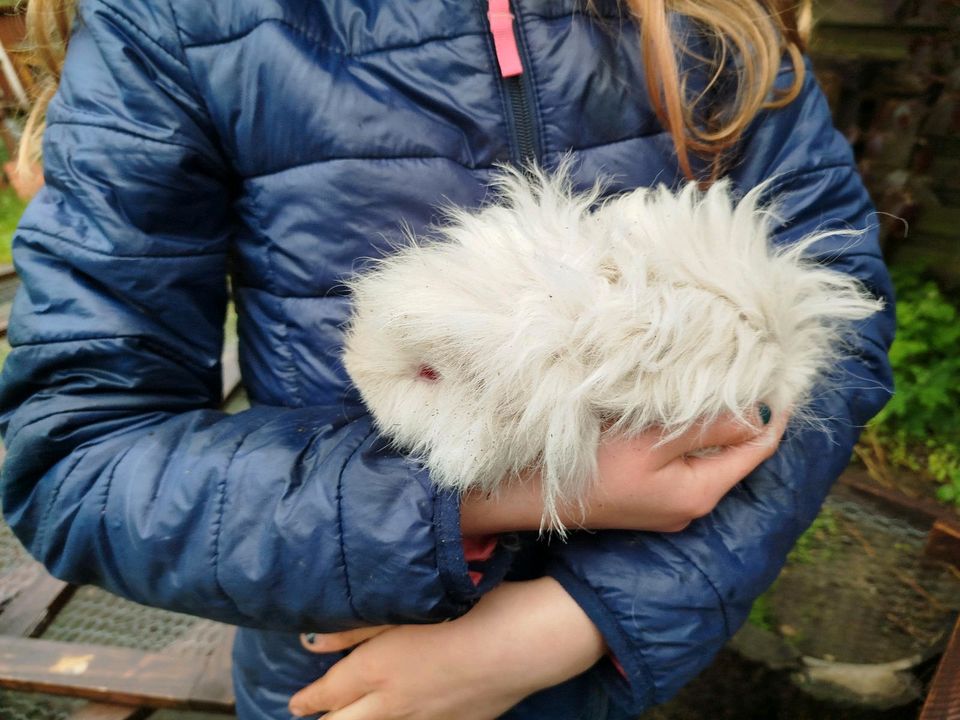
[(119, 469), (667, 603)]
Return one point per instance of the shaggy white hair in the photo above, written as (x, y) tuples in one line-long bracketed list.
[(520, 333)]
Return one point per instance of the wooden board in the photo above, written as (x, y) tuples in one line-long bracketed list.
[(32, 609), (216, 677), (921, 510), (943, 543), (112, 675), (29, 613), (99, 711), (943, 698)]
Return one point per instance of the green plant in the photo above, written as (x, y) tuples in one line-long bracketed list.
[(761, 613), (11, 208), (920, 427), (814, 544)]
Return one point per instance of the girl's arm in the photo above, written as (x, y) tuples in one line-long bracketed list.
[(666, 603), (642, 483), (525, 637), (119, 470), (520, 638)]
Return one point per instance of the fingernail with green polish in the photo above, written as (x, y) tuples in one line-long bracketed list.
[(765, 413)]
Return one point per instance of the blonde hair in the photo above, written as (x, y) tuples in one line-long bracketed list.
[(48, 31), (752, 35)]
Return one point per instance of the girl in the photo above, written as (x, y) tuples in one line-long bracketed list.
[(286, 139)]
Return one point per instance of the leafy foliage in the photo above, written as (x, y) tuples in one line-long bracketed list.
[(920, 428), (11, 208)]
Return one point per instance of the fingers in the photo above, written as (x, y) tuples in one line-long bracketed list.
[(327, 693), (721, 432), (711, 477), (334, 642), (708, 438), (369, 707)]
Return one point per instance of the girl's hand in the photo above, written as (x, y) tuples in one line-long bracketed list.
[(641, 484), (473, 668)]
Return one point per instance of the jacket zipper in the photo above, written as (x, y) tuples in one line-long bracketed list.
[(504, 34)]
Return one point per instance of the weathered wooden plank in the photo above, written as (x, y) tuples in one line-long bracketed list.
[(6, 306), (110, 675), (214, 680), (921, 510), (100, 711), (943, 697), (29, 613), (943, 543)]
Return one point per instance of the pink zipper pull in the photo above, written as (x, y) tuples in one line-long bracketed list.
[(504, 40)]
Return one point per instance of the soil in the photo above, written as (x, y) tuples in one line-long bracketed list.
[(733, 688)]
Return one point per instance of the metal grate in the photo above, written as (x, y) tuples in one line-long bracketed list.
[(858, 589), (96, 617), (12, 552), (17, 570), (28, 706)]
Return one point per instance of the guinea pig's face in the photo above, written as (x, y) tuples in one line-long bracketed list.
[(414, 350)]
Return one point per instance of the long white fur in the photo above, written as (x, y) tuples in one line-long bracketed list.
[(548, 321)]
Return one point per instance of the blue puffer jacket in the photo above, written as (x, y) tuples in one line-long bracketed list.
[(281, 140)]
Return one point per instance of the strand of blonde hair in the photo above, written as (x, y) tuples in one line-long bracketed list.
[(751, 35), (48, 31)]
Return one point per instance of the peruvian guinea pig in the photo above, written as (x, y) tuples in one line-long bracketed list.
[(519, 335)]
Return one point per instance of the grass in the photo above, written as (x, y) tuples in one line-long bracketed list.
[(11, 208), (814, 544), (761, 613)]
